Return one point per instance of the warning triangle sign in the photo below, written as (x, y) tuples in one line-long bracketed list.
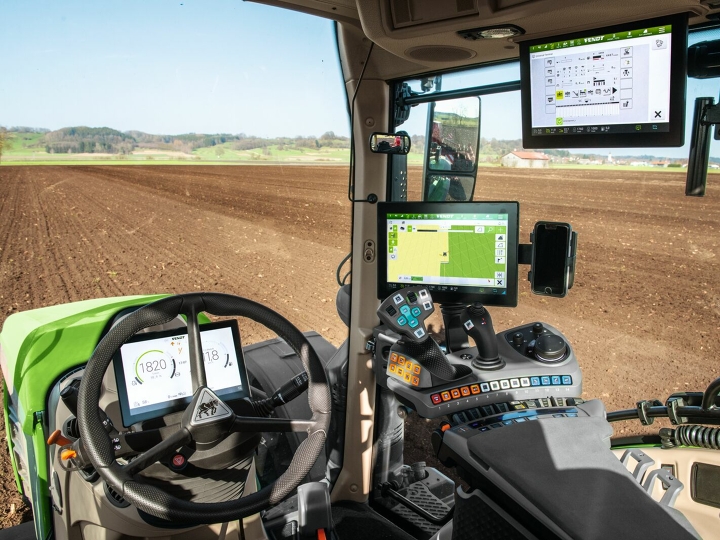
[(209, 408)]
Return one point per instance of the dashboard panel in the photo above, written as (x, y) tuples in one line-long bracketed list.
[(154, 375)]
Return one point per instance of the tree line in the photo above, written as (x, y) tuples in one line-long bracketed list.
[(82, 139)]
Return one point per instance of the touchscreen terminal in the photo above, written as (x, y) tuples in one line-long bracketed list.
[(620, 86), (462, 252), (154, 375)]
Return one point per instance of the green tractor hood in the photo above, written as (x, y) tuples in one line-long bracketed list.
[(38, 346)]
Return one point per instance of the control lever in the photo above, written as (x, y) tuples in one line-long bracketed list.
[(478, 325), (285, 394)]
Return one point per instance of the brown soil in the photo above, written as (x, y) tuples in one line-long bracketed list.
[(643, 316)]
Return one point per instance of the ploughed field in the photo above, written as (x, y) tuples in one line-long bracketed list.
[(643, 316)]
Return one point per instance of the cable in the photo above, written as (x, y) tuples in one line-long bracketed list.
[(691, 435), (341, 282), (372, 198)]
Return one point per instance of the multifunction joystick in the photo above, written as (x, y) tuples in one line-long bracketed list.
[(478, 325)]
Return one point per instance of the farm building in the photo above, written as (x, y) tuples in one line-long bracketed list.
[(527, 160)]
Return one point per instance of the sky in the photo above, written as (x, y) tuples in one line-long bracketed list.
[(210, 66)]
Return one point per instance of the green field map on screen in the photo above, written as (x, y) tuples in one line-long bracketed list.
[(456, 253)]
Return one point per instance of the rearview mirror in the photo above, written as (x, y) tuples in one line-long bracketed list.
[(451, 147), (390, 143)]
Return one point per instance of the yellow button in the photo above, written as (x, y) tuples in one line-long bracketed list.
[(407, 377), (392, 368), (400, 371)]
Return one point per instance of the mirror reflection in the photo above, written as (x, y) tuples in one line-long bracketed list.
[(454, 135), (390, 143)]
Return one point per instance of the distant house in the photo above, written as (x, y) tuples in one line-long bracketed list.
[(526, 160)]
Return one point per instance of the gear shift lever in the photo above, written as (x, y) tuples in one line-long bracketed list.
[(478, 325)]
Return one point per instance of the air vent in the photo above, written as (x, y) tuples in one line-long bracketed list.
[(440, 53), (70, 428), (504, 31), (114, 497)]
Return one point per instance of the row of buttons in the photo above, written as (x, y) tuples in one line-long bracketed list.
[(496, 386), (402, 368), (510, 422)]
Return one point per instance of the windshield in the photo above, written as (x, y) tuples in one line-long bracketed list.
[(171, 159), (643, 312)]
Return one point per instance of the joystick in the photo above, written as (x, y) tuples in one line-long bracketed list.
[(405, 312), (478, 325)]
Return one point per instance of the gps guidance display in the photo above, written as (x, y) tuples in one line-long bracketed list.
[(459, 251), (614, 83), (156, 374), (448, 249)]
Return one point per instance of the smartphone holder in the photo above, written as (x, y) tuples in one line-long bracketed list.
[(526, 255)]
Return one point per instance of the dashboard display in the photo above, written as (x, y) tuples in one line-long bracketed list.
[(460, 251), (611, 87), (154, 375)]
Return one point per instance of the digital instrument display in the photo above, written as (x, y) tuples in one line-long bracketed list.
[(462, 252), (154, 375), (613, 87)]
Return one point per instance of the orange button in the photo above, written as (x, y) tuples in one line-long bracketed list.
[(401, 360), (475, 389), (455, 393), (393, 357), (407, 377), (416, 369), (392, 368), (68, 453), (400, 371), (445, 427), (446, 396), (415, 381), (465, 391)]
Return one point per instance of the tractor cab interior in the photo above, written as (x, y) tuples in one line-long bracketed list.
[(148, 417)]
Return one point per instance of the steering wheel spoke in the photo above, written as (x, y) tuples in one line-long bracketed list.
[(180, 438), (199, 377)]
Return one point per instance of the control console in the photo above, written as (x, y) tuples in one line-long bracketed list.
[(530, 362)]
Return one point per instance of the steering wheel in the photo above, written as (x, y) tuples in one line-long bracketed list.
[(196, 424)]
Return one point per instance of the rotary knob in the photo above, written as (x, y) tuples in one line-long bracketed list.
[(550, 348)]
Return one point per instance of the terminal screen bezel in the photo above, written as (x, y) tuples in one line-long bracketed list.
[(463, 294), (644, 138), (129, 418)]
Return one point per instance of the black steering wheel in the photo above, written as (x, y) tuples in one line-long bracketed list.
[(195, 425)]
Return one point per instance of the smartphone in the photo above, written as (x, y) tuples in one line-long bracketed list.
[(553, 258)]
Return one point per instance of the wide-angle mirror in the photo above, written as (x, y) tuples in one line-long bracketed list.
[(451, 148)]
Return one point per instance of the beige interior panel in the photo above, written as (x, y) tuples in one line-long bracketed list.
[(705, 519)]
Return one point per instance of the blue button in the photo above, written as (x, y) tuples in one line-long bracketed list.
[(535, 381), (412, 322), (484, 428), (402, 321), (416, 311), (572, 415), (567, 379), (545, 381), (519, 419), (556, 379), (405, 310), (508, 422)]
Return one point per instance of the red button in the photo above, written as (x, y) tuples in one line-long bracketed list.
[(178, 460), (436, 398)]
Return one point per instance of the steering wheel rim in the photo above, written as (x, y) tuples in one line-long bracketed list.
[(154, 501)]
